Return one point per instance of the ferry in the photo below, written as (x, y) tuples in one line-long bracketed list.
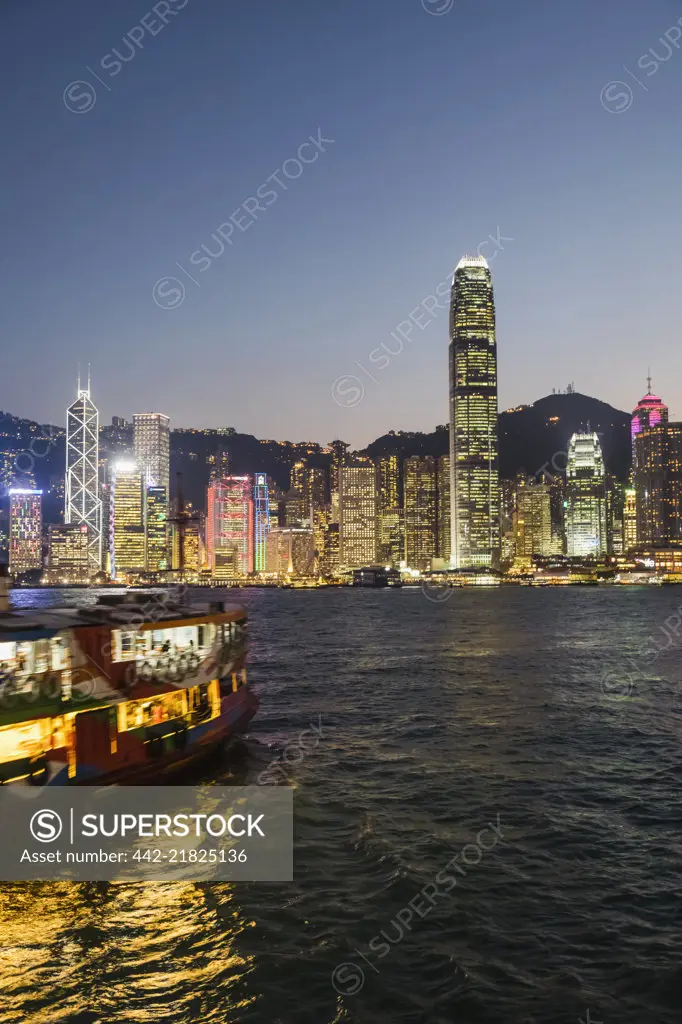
[(124, 691)]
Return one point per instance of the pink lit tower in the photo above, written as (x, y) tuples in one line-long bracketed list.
[(650, 412)]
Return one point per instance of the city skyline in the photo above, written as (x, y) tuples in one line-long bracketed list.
[(539, 197)]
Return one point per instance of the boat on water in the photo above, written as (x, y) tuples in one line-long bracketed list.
[(123, 691)]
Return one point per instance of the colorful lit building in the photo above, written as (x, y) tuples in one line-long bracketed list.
[(585, 498), (474, 477), (25, 530), (229, 526), (651, 411), (630, 520), (261, 521)]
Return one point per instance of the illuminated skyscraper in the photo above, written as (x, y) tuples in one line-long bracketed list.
[(658, 485), (25, 530), (229, 526), (474, 482), (156, 529), (391, 521), (261, 520), (358, 508), (126, 518), (650, 412), (585, 497), (81, 497), (421, 511), (151, 440)]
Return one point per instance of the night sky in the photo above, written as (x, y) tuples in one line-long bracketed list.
[(487, 119)]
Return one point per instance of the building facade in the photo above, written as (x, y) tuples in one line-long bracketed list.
[(290, 551), (651, 411), (151, 441), (533, 521), (420, 488), (585, 498), (126, 519), (474, 474), (658, 485), (82, 502), (25, 530), (358, 515), (261, 521), (68, 558), (229, 526), (156, 533)]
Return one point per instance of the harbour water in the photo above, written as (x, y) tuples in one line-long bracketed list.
[(528, 738)]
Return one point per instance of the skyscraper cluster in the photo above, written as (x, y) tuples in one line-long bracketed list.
[(344, 511)]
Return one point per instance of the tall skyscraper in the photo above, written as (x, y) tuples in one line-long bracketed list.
[(151, 441), (82, 497), (229, 526), (25, 530), (261, 521), (126, 520), (658, 485), (474, 478), (650, 412), (156, 533), (290, 551), (586, 498), (421, 511), (358, 509), (391, 521)]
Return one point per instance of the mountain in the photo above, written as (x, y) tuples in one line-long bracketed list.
[(531, 437)]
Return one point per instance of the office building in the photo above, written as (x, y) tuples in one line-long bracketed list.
[(585, 498), (156, 529), (68, 558), (151, 441), (126, 520), (444, 521), (229, 526), (261, 521), (391, 520), (421, 511), (630, 520), (290, 551), (25, 530), (474, 483), (658, 485), (533, 521), (358, 514), (82, 502)]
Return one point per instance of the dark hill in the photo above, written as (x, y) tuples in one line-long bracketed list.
[(532, 435)]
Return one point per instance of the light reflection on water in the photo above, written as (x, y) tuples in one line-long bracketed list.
[(435, 719)]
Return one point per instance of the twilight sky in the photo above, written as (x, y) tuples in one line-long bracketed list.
[(448, 129)]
